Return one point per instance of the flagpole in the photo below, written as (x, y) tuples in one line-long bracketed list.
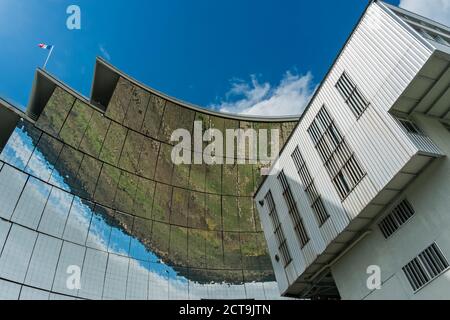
[(48, 57)]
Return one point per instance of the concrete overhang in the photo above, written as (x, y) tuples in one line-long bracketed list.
[(106, 77), (9, 117), (43, 86), (429, 92), (104, 83)]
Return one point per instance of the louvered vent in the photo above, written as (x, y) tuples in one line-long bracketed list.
[(401, 213), (352, 95), (342, 164), (427, 266)]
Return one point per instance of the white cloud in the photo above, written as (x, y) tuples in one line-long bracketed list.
[(104, 52), (290, 97), (438, 10)]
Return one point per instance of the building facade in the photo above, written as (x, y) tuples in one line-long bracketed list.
[(88, 188), (357, 205)]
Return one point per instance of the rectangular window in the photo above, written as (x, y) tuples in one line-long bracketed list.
[(398, 217), (340, 161), (293, 210), (315, 200), (428, 265), (409, 126), (352, 95), (278, 231)]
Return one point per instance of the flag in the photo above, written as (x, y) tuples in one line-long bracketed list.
[(49, 48), (45, 46)]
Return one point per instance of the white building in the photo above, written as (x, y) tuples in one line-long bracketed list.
[(363, 184)]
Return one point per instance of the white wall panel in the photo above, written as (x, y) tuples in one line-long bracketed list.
[(277, 266)]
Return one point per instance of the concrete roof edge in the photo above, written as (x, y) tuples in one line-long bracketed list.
[(188, 105)]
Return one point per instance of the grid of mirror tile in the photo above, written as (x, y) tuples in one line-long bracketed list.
[(162, 203), (144, 148), (105, 182), (235, 182), (38, 259)]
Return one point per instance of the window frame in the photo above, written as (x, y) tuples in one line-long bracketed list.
[(393, 217), (352, 95), (314, 197), (294, 213), (409, 126), (282, 244), (341, 163)]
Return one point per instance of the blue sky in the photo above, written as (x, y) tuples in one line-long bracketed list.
[(227, 55)]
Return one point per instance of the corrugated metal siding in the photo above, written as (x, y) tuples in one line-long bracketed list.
[(382, 57), (330, 197), (369, 146)]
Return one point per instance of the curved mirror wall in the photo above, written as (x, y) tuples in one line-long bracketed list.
[(97, 189)]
